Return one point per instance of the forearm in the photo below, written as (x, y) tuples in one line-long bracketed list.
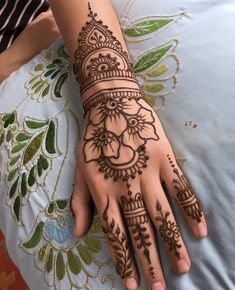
[(95, 42), (37, 36)]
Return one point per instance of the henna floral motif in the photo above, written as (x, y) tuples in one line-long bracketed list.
[(136, 218), (186, 195), (168, 230), (118, 126), (119, 243)]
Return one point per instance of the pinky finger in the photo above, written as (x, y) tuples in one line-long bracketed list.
[(181, 189)]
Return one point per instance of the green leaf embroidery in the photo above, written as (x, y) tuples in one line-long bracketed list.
[(18, 147), (57, 61), (51, 208), (154, 88), (46, 91), (9, 135), (39, 67), (44, 162), (2, 137), (59, 85), (13, 188), (16, 207), (150, 58), (61, 52), (144, 27), (74, 262), (92, 243), (23, 136), (10, 119), (35, 124), (49, 262), (61, 204), (55, 74), (31, 178), (14, 160), (39, 168), (96, 226), (85, 254), (12, 174), (49, 72), (23, 185), (159, 70), (38, 83), (60, 266), (33, 79), (36, 237), (33, 148), (38, 89), (50, 66), (42, 253), (50, 138)]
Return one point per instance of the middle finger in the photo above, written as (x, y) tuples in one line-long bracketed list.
[(142, 234)]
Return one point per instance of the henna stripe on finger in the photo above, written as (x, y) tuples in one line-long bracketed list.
[(136, 216), (168, 230), (185, 194), (119, 243)]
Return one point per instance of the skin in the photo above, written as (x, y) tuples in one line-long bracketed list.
[(29, 43)]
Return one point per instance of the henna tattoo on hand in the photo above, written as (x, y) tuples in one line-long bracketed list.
[(100, 58), (136, 217), (169, 231), (119, 243), (185, 194), (118, 126)]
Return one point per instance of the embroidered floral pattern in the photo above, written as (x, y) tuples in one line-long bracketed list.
[(56, 252), (48, 78), (30, 159), (157, 68)]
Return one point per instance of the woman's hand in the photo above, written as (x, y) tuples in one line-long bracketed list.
[(123, 158), (124, 154), (37, 35)]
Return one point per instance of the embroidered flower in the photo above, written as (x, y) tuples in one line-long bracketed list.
[(140, 128), (114, 113), (100, 142)]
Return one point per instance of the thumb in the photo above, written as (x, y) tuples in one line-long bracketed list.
[(81, 203)]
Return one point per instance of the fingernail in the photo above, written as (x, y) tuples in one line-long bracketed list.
[(202, 230), (158, 286), (131, 284), (182, 266)]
